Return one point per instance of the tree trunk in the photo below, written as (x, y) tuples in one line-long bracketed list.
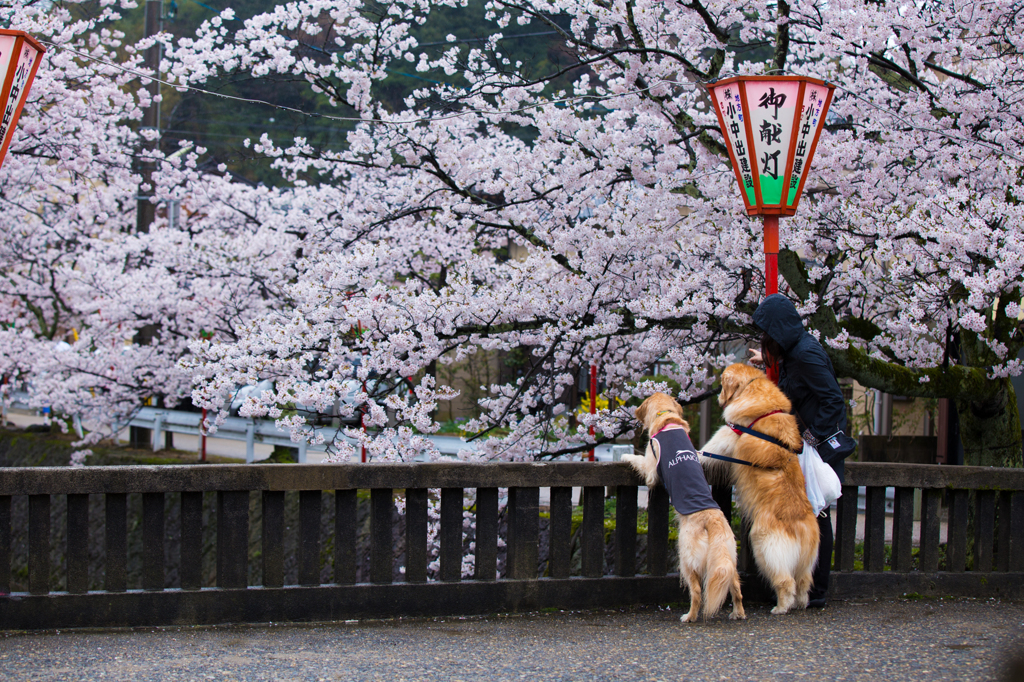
[(990, 430)]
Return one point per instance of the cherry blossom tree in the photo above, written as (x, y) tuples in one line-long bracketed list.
[(79, 282), (67, 181), (607, 176), (915, 279), (577, 207)]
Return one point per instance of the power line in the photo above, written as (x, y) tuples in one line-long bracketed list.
[(536, 105), (511, 36), (203, 133), (907, 121), (351, 119)]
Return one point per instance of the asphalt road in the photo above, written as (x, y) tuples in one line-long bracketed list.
[(864, 640)]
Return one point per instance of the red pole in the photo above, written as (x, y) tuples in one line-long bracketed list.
[(202, 437), (593, 401), (771, 272), (362, 420), (771, 255)]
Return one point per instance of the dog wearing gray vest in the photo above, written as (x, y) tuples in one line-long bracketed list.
[(707, 546)]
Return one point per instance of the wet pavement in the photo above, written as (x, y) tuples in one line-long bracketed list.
[(942, 639)]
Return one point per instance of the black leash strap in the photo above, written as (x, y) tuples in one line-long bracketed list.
[(764, 436), (733, 460)]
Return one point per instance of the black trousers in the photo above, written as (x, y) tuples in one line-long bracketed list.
[(819, 586)]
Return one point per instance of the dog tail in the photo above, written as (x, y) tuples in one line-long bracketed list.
[(721, 564)]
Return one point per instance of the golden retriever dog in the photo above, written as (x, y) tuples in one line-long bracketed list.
[(771, 494), (707, 546)]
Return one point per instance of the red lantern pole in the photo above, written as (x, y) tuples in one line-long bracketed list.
[(593, 401), (771, 255), (202, 437), (771, 272), (362, 421), (362, 409)]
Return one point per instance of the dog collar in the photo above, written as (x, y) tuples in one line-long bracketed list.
[(658, 414), (667, 427)]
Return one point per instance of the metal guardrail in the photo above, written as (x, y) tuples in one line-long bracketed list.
[(253, 431)]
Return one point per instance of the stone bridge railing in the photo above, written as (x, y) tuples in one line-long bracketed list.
[(104, 546)]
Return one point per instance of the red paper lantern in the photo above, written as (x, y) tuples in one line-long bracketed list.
[(20, 55), (771, 126)]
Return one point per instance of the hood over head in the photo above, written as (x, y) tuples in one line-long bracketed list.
[(777, 316)]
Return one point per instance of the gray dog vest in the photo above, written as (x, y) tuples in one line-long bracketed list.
[(681, 473)]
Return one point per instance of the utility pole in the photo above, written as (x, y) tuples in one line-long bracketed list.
[(146, 209)]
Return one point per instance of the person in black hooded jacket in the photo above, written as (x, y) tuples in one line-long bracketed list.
[(807, 378)]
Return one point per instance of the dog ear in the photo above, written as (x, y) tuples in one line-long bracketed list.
[(728, 388), (641, 413), (678, 409)]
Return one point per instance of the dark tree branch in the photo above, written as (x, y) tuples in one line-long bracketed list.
[(957, 381)]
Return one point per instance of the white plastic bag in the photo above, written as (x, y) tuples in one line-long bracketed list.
[(822, 484), (828, 481)]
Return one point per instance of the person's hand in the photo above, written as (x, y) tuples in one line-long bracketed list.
[(755, 357)]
